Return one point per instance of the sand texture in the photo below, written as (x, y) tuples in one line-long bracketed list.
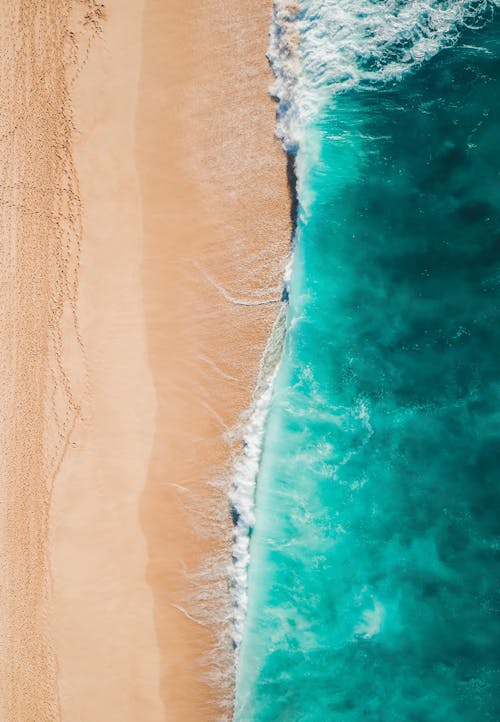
[(144, 229)]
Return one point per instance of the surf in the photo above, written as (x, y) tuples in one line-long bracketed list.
[(320, 47), (331, 488)]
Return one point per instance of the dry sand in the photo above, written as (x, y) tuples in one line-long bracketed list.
[(142, 195)]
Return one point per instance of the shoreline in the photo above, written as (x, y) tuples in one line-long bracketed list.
[(143, 299), (229, 269), (282, 57)]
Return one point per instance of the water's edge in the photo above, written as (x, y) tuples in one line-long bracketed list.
[(251, 430)]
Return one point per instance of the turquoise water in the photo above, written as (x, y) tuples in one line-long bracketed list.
[(374, 581)]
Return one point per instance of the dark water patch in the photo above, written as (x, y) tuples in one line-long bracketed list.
[(292, 189)]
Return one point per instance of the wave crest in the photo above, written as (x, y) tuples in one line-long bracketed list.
[(320, 47)]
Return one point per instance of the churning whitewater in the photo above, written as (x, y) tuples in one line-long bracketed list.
[(322, 47), (366, 504)]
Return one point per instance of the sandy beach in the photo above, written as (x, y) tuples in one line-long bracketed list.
[(145, 228)]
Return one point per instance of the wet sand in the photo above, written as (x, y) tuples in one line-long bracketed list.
[(133, 326), (216, 221)]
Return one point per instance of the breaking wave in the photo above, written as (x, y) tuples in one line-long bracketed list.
[(322, 47), (246, 468)]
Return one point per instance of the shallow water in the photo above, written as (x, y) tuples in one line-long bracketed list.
[(375, 557)]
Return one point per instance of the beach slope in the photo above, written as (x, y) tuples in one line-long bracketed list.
[(145, 228)]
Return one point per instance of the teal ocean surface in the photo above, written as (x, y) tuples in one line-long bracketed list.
[(374, 576)]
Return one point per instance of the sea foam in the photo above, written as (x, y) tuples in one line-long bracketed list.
[(246, 468), (321, 47)]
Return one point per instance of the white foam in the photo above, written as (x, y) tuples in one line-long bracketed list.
[(320, 47), (371, 622), (246, 468)]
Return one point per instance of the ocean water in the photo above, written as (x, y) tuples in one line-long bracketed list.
[(374, 577)]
